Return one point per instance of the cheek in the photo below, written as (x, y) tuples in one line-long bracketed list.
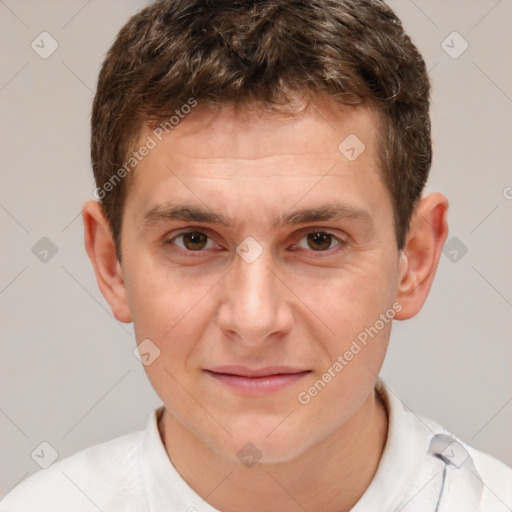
[(161, 298), (349, 301), (173, 317), (172, 309)]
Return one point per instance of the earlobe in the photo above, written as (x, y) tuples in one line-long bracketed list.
[(101, 249), (420, 257)]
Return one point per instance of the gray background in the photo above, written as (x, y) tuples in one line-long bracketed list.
[(68, 374)]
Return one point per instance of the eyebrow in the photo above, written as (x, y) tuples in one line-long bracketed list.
[(201, 214)]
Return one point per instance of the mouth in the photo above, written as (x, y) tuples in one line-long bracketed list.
[(256, 381)]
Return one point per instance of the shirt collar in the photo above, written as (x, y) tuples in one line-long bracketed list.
[(406, 445), (165, 485)]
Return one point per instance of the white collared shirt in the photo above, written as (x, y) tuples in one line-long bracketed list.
[(133, 473)]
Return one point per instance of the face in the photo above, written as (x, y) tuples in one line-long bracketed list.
[(261, 260)]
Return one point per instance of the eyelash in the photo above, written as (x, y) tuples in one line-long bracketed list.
[(341, 243)]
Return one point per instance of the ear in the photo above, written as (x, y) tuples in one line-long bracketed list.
[(419, 259), (101, 249)]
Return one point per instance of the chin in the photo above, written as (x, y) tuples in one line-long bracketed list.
[(267, 441)]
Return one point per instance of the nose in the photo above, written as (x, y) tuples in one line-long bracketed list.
[(256, 305)]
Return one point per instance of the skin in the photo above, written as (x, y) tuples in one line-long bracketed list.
[(294, 305)]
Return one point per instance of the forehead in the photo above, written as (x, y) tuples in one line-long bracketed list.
[(322, 130), (252, 133), (261, 156)]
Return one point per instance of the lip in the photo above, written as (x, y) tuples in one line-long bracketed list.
[(257, 381)]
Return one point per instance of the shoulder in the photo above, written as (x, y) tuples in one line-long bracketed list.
[(415, 433), (84, 481), (496, 476)]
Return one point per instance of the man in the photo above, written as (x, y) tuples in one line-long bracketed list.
[(259, 169)]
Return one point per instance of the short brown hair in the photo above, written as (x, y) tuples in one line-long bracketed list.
[(236, 52)]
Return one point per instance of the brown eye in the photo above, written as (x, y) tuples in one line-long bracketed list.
[(192, 240), (320, 240)]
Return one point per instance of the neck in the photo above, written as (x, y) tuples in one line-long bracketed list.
[(331, 476)]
